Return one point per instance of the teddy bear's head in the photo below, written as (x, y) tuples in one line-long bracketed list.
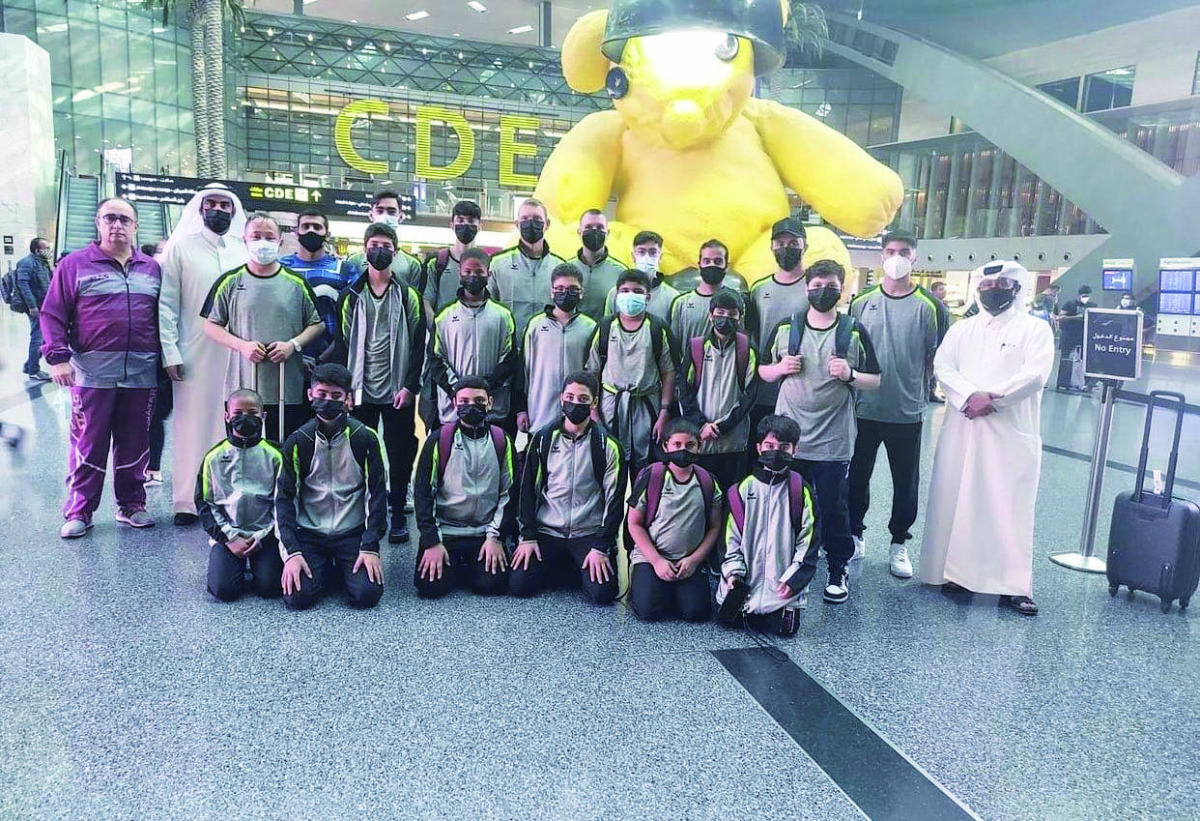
[(678, 71)]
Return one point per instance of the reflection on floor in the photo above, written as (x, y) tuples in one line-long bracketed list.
[(126, 693)]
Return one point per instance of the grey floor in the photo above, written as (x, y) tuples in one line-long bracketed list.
[(127, 693)]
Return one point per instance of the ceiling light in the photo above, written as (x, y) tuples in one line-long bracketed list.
[(475, 4), (416, 15), (521, 30)]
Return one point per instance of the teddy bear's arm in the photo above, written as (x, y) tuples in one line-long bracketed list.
[(850, 188), (579, 174)]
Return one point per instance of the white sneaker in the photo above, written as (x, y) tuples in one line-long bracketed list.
[(838, 589), (153, 478), (74, 528), (854, 566), (900, 566)]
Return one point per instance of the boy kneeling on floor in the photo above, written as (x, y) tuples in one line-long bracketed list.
[(331, 500), (674, 520), (770, 545), (235, 499)]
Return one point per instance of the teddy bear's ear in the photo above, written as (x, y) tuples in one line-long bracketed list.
[(584, 65)]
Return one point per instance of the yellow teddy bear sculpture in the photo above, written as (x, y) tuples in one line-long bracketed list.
[(688, 152)]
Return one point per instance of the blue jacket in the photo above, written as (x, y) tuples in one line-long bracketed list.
[(33, 281)]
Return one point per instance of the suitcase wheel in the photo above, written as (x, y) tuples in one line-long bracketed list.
[(1113, 588), (1183, 603), (1165, 605)]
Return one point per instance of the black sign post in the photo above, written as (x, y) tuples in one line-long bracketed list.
[(1112, 353)]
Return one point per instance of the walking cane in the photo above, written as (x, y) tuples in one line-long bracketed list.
[(281, 378)]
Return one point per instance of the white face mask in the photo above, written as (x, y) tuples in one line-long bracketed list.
[(648, 265), (390, 220), (1085, 299), (1126, 303), (897, 267), (263, 251)]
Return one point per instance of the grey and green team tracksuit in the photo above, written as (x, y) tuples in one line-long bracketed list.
[(571, 502), (550, 351), (235, 498), (461, 503), (662, 296), (771, 302), (473, 341), (905, 333), (690, 313), (522, 282), (331, 505), (598, 280), (404, 265), (724, 396)]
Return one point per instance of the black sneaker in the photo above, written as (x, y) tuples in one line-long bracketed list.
[(399, 532), (789, 622), (838, 590), (185, 519), (730, 611)]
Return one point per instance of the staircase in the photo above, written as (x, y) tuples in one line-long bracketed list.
[(152, 225)]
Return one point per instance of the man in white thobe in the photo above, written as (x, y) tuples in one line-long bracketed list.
[(992, 366), (206, 243)]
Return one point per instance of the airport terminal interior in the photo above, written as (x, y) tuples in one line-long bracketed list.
[(1048, 148)]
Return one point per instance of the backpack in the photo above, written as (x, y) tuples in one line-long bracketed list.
[(656, 477), (596, 438), (658, 332), (742, 341), (446, 443), (737, 508), (843, 334), (11, 293)]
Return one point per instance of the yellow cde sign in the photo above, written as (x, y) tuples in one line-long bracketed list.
[(427, 116)]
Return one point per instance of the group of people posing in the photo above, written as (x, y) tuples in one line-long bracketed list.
[(746, 421)]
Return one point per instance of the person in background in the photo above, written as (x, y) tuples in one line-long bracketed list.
[(1127, 302), (235, 499), (983, 490), (597, 269), (1070, 340), (207, 242), (689, 311), (386, 208), (571, 500), (555, 344), (327, 275), (1054, 292), (442, 266), (674, 521), (32, 284), (265, 315), (331, 500), (647, 251), (463, 498), (822, 365), (633, 355), (163, 404), (938, 291), (105, 350), (520, 276), (381, 340), (773, 300), (901, 319), (770, 536)]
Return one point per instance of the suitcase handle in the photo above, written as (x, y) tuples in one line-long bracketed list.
[(1181, 405)]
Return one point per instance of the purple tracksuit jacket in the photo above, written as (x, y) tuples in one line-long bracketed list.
[(104, 319)]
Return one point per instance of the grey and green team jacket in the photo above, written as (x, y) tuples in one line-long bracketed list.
[(471, 494), (550, 351), (331, 486), (522, 282), (905, 332), (771, 303), (598, 279), (404, 265), (560, 494), (235, 490), (473, 341), (689, 313), (407, 351), (722, 396)]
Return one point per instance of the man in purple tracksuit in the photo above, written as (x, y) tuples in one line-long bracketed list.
[(100, 323)]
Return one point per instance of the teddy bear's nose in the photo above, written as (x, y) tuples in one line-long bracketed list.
[(682, 123)]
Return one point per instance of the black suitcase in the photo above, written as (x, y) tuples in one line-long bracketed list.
[(1154, 541)]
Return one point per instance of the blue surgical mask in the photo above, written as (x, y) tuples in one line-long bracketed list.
[(631, 304)]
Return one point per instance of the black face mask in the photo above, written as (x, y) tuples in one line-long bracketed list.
[(217, 221), (594, 239), (471, 415), (329, 411), (997, 300), (244, 430), (473, 284), (380, 258), (532, 230), (725, 325), (712, 274), (577, 412), (567, 300), (681, 458), (466, 233), (311, 241), (787, 258), (824, 299), (776, 461)]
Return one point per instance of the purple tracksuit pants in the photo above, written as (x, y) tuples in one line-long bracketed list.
[(102, 418)]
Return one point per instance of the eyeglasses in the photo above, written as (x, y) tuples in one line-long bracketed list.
[(575, 291), (116, 219)]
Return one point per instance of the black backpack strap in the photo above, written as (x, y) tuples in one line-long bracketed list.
[(603, 334), (795, 333), (843, 335), (599, 445)]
